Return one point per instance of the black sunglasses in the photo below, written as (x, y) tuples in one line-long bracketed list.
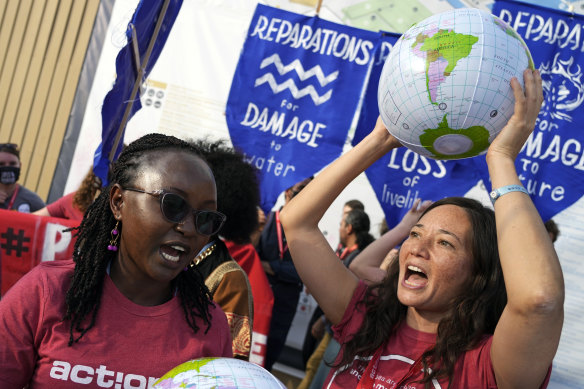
[(175, 209)]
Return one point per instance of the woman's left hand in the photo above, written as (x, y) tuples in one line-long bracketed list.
[(511, 139)]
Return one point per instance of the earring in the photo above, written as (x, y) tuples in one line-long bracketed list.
[(113, 245)]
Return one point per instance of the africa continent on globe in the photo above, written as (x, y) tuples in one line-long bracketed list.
[(444, 91), (218, 373)]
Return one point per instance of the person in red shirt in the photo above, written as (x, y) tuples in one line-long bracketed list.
[(128, 308), (72, 206), (475, 298)]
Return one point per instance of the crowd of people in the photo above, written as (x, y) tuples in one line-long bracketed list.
[(174, 259)]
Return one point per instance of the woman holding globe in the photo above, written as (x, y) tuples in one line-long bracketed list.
[(129, 307), (444, 316)]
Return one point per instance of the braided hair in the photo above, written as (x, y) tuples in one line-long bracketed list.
[(92, 257)]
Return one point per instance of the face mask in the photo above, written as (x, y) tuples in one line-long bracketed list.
[(9, 174)]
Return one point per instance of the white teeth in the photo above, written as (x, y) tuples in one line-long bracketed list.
[(415, 268), (171, 258), (178, 248)]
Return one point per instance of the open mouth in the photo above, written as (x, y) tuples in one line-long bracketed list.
[(172, 253), (415, 276)]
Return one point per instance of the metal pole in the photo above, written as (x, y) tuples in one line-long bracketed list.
[(138, 80)]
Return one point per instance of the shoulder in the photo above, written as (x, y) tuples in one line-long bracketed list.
[(51, 271), (27, 195), (46, 281), (67, 199), (57, 273), (25, 192), (228, 274)]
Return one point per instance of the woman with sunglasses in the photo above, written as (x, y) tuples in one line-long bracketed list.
[(129, 307), (475, 299), (12, 195)]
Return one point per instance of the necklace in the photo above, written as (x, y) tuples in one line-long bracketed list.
[(204, 254)]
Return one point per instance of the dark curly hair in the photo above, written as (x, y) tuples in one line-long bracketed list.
[(474, 314), (238, 192), (92, 257), (84, 196)]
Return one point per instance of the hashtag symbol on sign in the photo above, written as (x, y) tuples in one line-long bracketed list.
[(14, 242)]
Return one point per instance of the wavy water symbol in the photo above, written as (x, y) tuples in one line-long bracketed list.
[(289, 84)]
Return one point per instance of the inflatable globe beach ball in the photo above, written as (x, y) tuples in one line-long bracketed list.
[(218, 373), (444, 91)]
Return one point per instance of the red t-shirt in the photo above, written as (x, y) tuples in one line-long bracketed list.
[(473, 369), (129, 345), (64, 208)]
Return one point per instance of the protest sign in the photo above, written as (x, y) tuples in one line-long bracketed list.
[(294, 95), (551, 164), (27, 240)]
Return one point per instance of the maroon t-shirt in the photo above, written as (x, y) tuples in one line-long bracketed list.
[(473, 369), (129, 346), (64, 208)]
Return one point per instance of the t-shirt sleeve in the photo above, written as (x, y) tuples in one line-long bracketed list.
[(353, 316), (484, 376), (20, 313)]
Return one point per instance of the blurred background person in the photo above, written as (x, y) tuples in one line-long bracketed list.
[(315, 331), (12, 195), (284, 280), (73, 205), (354, 236), (348, 207), (255, 235), (226, 280)]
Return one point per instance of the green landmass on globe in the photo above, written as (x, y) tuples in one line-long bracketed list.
[(218, 373), (478, 135), (447, 44), (195, 364)]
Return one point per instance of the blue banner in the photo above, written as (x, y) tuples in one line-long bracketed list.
[(402, 176), (294, 95), (551, 164), (144, 21)]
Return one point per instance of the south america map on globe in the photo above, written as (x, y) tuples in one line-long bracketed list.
[(445, 88), (441, 50)]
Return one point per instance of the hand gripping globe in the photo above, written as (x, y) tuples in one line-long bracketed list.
[(444, 91), (218, 373)]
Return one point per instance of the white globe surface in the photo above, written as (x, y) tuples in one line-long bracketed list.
[(444, 91), (218, 373)]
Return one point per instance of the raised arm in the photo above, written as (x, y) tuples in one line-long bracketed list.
[(367, 264), (328, 280), (527, 335)]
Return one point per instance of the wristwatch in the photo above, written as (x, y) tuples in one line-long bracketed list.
[(496, 193)]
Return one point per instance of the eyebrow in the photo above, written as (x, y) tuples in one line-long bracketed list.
[(442, 231)]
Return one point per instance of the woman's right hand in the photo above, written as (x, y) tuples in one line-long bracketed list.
[(513, 136)]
